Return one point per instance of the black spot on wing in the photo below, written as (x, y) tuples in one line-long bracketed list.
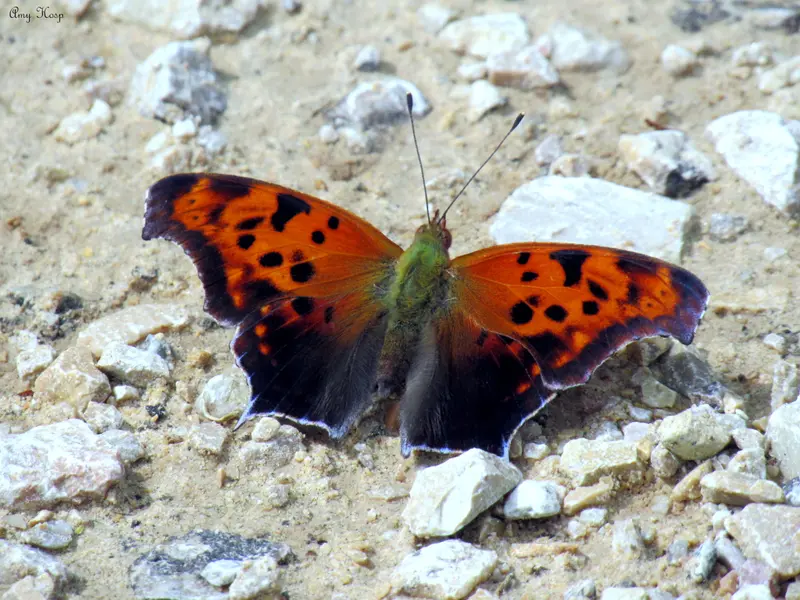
[(246, 240), (228, 188), (333, 223), (590, 307), (248, 224), (302, 305), (529, 276), (546, 346), (215, 213), (298, 256), (521, 313), (533, 300), (571, 262), (597, 290), (302, 272), (318, 237), (556, 312), (523, 258), (633, 294), (482, 337), (271, 259), (328, 314), (289, 207)]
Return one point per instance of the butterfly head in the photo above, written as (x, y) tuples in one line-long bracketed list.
[(436, 229)]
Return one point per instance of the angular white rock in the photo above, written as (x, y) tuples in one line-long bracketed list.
[(534, 500), (208, 438), (591, 211), (73, 378), (220, 573), (724, 487), (572, 49), (763, 149), (380, 102), (32, 362), (84, 125), (132, 365), (132, 324), (483, 98), (755, 54), (448, 496), (102, 417), (368, 59), (259, 578), (434, 16), (548, 150), (586, 461), (695, 434), (525, 69), (223, 397), (18, 561), (61, 462), (125, 443), (770, 534), (486, 34), (678, 61), (782, 75), (785, 384), (448, 570), (783, 435), (666, 161), (472, 71)]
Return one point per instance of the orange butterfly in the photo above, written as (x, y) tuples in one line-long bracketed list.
[(329, 310)]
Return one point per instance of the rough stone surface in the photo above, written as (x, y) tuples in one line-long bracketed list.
[(446, 497), (220, 573), (667, 162), (585, 461), (53, 463), (259, 578), (208, 438), (723, 227), (82, 126), (664, 463), (50, 535), (785, 384), (132, 365), (41, 587), (223, 397), (682, 370), (173, 569), (783, 435), (18, 561), (448, 570), (572, 49), (73, 378), (378, 103), (626, 540), (592, 211), (762, 148), (751, 462), (582, 497), (102, 417), (656, 395), (187, 18), (625, 593), (678, 61), (525, 69), (694, 434), (131, 325), (486, 34), (277, 452), (125, 443), (178, 81), (533, 500), (770, 534)]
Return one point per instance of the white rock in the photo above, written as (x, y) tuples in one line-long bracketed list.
[(125, 443), (626, 540), (448, 570), (750, 462), (124, 393), (158, 142), (573, 49), (665, 464), (625, 593), (695, 434), (533, 451), (435, 16), (131, 325), (472, 71), (762, 148), (483, 98), (666, 161), (266, 428), (220, 573), (570, 165), (748, 438), (643, 415), (448, 496), (771, 254), (524, 69), (586, 461), (380, 102), (775, 341), (23, 340), (783, 435), (223, 397), (275, 453), (633, 432), (782, 75), (84, 125), (678, 61), (18, 561), (534, 500), (548, 150), (368, 59), (50, 535), (591, 211), (593, 517), (755, 54), (486, 34), (770, 534), (102, 417), (132, 365), (41, 587), (184, 130), (211, 140), (753, 592), (259, 578), (178, 81), (208, 438), (785, 384), (725, 487), (187, 18), (726, 228), (61, 462), (32, 362)]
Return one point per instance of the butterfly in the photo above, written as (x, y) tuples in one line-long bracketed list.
[(330, 314)]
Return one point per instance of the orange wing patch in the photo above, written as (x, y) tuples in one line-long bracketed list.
[(253, 242), (573, 306)]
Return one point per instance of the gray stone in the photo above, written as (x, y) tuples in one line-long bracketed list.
[(656, 395), (132, 365), (221, 573), (770, 534), (703, 561), (178, 81), (572, 49), (131, 325), (50, 535), (728, 553), (791, 490), (18, 561), (626, 540), (41, 587), (592, 211), (570, 165), (762, 148), (223, 397), (634, 432), (726, 228), (694, 434), (678, 61), (125, 443), (53, 463), (208, 438), (158, 345), (187, 18), (211, 140), (524, 69), (785, 384), (739, 489), (378, 103), (783, 435), (276, 452), (31, 362), (677, 552), (548, 150), (586, 461), (750, 462), (667, 162), (173, 569), (435, 16), (448, 570), (259, 578), (534, 500), (483, 98), (682, 370), (74, 379), (266, 428), (368, 59), (486, 34), (84, 125), (747, 439), (448, 496), (102, 417)]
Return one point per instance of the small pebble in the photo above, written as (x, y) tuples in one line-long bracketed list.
[(368, 59), (678, 61), (775, 341), (51, 535)]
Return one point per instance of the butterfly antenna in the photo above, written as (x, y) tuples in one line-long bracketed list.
[(517, 121), (410, 105)]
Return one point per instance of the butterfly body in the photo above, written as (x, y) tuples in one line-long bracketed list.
[(329, 311)]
